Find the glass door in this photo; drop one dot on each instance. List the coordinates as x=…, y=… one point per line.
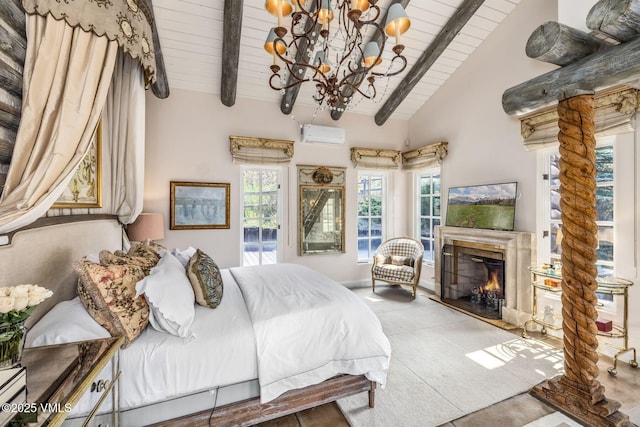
x=260, y=200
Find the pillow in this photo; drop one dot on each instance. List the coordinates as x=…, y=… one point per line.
x=170, y=297
x=143, y=256
x=67, y=321
x=401, y=260
x=206, y=279
x=381, y=259
x=184, y=256
x=108, y=294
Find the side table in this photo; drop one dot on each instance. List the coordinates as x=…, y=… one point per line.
x=58, y=376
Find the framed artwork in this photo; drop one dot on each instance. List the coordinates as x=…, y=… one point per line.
x=85, y=188
x=199, y=205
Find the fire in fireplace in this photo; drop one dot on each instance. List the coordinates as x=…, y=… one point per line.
x=472, y=279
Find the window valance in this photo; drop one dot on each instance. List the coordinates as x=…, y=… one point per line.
x=245, y=149
x=375, y=158
x=426, y=156
x=129, y=22
x=615, y=113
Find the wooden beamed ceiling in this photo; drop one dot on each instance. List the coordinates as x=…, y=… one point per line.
x=233, y=11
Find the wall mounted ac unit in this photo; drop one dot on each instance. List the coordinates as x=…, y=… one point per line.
x=322, y=134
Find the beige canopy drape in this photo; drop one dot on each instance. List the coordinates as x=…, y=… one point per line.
x=66, y=78
x=71, y=51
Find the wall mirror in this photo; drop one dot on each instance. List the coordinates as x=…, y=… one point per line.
x=321, y=210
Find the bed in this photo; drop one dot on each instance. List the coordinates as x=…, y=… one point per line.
x=283, y=338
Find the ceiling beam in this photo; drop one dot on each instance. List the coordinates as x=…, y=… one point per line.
x=302, y=56
x=446, y=35
x=614, y=66
x=232, y=29
x=378, y=37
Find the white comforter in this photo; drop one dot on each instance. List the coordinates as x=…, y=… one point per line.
x=309, y=328
x=306, y=328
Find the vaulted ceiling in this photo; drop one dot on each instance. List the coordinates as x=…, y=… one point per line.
x=443, y=34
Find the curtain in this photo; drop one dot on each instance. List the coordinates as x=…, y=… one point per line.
x=67, y=75
x=123, y=136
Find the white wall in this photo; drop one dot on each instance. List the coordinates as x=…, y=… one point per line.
x=188, y=140
x=485, y=145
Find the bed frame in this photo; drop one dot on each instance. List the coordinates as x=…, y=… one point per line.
x=43, y=253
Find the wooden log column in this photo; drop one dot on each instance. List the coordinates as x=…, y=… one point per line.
x=577, y=392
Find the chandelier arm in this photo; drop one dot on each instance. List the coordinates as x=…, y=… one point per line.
x=387, y=74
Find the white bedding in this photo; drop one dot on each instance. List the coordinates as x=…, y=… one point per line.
x=306, y=328
x=158, y=366
x=309, y=328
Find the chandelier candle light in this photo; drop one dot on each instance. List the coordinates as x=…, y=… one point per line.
x=330, y=35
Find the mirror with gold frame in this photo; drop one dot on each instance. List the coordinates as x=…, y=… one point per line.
x=321, y=210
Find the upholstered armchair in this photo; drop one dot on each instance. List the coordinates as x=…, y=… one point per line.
x=398, y=261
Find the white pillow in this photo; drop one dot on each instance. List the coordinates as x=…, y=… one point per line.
x=67, y=321
x=183, y=255
x=170, y=297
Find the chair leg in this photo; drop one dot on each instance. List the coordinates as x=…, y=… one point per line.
x=373, y=284
x=415, y=288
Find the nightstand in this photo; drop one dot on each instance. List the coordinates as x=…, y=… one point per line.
x=58, y=376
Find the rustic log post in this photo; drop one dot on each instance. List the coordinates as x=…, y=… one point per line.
x=560, y=44
x=619, y=19
x=577, y=391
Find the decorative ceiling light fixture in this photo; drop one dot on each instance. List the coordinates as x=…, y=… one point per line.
x=333, y=57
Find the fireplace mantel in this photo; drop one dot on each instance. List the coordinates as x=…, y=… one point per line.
x=520, y=253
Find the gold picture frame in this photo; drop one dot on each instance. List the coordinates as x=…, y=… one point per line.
x=199, y=205
x=85, y=188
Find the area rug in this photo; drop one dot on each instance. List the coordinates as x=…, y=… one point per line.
x=446, y=364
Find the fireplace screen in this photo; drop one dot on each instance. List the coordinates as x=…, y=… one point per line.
x=473, y=280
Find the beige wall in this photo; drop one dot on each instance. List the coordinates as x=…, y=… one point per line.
x=188, y=140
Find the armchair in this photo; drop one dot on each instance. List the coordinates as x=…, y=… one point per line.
x=398, y=261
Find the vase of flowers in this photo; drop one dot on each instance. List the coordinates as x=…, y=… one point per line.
x=16, y=305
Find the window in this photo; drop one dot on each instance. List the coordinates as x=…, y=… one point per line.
x=605, y=165
x=371, y=197
x=260, y=216
x=428, y=210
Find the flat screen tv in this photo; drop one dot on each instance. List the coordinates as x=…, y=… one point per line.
x=490, y=206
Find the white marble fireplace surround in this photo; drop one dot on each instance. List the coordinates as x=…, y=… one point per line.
x=520, y=252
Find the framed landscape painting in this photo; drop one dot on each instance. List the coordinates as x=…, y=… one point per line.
x=199, y=205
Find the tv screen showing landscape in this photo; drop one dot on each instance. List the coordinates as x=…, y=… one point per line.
x=490, y=206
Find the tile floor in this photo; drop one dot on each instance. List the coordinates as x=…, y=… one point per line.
x=402, y=323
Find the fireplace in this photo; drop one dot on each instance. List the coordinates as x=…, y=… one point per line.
x=472, y=278
x=508, y=254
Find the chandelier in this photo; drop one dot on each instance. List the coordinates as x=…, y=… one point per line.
x=324, y=45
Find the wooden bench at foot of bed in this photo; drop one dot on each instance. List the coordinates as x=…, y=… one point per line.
x=250, y=412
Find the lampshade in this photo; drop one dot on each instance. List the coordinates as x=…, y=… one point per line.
x=148, y=226
x=268, y=44
x=397, y=20
x=320, y=63
x=272, y=7
x=325, y=14
x=370, y=54
x=361, y=5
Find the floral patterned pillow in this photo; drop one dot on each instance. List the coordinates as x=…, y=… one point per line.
x=144, y=256
x=108, y=293
x=205, y=279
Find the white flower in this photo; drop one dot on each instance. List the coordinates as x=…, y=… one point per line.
x=37, y=295
x=20, y=290
x=6, y=304
x=20, y=302
x=20, y=297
